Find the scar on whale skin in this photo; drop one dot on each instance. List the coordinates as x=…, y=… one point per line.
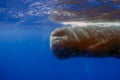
x=89, y=41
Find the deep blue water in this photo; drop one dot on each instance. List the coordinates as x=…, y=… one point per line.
x=25, y=53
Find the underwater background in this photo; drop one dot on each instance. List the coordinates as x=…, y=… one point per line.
x=25, y=54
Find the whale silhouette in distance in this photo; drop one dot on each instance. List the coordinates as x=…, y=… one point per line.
x=89, y=40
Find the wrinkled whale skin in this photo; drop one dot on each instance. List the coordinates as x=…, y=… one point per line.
x=90, y=41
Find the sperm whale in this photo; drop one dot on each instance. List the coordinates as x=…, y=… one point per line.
x=85, y=37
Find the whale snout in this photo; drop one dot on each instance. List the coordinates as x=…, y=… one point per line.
x=60, y=43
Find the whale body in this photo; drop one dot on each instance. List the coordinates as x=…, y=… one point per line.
x=90, y=41
x=86, y=40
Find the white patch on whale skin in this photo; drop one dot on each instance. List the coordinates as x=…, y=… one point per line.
x=85, y=24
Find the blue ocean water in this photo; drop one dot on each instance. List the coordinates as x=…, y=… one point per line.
x=25, y=53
